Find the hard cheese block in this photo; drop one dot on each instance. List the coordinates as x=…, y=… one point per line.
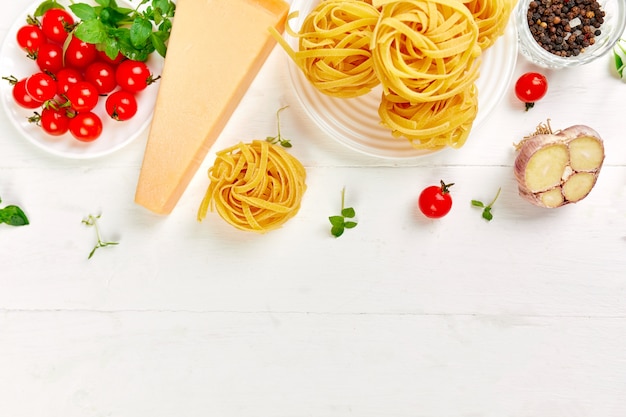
x=215, y=50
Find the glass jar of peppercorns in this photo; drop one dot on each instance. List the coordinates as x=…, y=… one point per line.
x=567, y=33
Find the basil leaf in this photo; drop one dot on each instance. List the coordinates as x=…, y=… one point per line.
x=83, y=11
x=111, y=48
x=13, y=216
x=91, y=31
x=115, y=17
x=158, y=43
x=45, y=6
x=140, y=32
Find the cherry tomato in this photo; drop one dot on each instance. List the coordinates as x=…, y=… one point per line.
x=102, y=75
x=83, y=96
x=435, y=201
x=121, y=105
x=531, y=87
x=41, y=86
x=133, y=76
x=79, y=54
x=55, y=122
x=50, y=57
x=54, y=24
x=30, y=38
x=66, y=78
x=86, y=126
x=22, y=98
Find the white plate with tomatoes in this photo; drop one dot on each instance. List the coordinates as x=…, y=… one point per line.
x=90, y=81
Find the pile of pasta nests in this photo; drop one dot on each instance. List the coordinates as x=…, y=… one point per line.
x=425, y=54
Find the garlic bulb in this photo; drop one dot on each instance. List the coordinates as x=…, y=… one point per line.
x=555, y=169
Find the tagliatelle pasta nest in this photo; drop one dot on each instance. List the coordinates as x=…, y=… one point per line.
x=425, y=50
x=334, y=52
x=431, y=124
x=254, y=186
x=492, y=16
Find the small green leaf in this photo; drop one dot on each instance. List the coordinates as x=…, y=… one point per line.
x=83, y=11
x=159, y=44
x=91, y=31
x=13, y=216
x=348, y=212
x=336, y=220
x=350, y=225
x=337, y=231
x=45, y=6
x=163, y=6
x=477, y=203
x=111, y=48
x=487, y=214
x=140, y=32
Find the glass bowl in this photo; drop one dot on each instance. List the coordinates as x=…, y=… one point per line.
x=611, y=29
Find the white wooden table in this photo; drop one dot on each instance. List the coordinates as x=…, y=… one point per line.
x=524, y=316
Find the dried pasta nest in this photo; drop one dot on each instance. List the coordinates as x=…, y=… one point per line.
x=334, y=52
x=431, y=124
x=255, y=186
x=425, y=50
x=491, y=16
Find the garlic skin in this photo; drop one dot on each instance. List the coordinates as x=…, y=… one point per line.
x=556, y=169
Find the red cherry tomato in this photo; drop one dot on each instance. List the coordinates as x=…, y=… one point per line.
x=66, y=78
x=83, y=96
x=102, y=75
x=133, y=76
x=54, y=122
x=86, y=127
x=435, y=201
x=531, y=87
x=22, y=98
x=121, y=105
x=55, y=23
x=80, y=54
x=41, y=86
x=50, y=58
x=30, y=38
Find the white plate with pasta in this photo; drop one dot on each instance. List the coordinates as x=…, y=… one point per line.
x=355, y=121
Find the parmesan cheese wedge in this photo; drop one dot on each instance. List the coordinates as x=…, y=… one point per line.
x=216, y=48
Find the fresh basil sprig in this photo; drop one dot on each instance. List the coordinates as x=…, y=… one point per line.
x=135, y=33
x=13, y=216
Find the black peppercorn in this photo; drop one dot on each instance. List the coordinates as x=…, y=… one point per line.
x=550, y=20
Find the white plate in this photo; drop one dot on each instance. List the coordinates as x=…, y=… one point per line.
x=355, y=122
x=115, y=135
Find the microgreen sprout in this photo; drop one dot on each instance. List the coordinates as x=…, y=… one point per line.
x=278, y=139
x=342, y=222
x=487, y=208
x=93, y=221
x=13, y=216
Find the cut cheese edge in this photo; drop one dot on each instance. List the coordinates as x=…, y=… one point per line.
x=216, y=49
